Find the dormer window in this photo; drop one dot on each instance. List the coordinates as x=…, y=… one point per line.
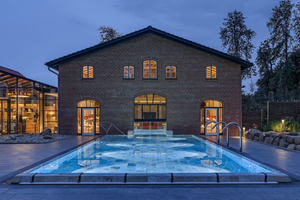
x=211, y=72
x=128, y=72
x=88, y=72
x=149, y=69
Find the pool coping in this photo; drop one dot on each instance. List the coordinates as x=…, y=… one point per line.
x=152, y=178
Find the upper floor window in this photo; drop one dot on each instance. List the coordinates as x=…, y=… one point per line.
x=211, y=72
x=88, y=72
x=170, y=72
x=149, y=68
x=128, y=72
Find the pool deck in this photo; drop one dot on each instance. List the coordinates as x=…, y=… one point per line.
x=16, y=158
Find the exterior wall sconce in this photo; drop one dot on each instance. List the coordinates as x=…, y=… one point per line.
x=244, y=131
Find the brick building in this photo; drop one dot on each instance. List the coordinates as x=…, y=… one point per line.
x=148, y=79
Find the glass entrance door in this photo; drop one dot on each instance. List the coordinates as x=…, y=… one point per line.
x=4, y=111
x=211, y=114
x=88, y=121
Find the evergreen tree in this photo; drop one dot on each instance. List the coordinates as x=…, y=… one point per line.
x=280, y=25
x=236, y=37
x=108, y=33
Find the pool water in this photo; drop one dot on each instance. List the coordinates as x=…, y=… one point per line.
x=151, y=154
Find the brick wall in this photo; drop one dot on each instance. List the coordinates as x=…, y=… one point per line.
x=116, y=96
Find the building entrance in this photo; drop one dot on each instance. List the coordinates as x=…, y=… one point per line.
x=88, y=121
x=4, y=116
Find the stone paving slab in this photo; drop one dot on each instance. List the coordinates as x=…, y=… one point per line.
x=16, y=158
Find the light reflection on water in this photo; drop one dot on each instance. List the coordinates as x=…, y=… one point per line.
x=155, y=154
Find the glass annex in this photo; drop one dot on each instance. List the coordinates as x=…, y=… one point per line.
x=26, y=106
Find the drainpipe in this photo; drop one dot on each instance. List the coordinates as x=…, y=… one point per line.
x=57, y=100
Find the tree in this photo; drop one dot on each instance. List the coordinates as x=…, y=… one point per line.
x=108, y=33
x=296, y=25
x=280, y=26
x=236, y=37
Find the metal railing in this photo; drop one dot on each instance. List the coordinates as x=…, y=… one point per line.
x=234, y=123
x=226, y=127
x=227, y=136
x=218, y=134
x=110, y=125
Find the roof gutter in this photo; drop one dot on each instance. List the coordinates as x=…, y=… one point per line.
x=52, y=71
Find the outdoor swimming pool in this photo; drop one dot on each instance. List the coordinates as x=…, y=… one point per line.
x=177, y=154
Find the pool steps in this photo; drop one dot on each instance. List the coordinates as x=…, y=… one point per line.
x=151, y=178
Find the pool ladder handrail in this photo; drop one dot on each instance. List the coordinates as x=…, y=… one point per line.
x=101, y=124
x=227, y=136
x=218, y=134
x=234, y=123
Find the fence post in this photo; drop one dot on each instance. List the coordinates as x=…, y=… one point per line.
x=268, y=111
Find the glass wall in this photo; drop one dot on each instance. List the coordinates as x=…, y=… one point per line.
x=26, y=106
x=149, y=112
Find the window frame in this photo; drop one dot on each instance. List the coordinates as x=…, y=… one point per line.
x=171, y=67
x=150, y=70
x=128, y=78
x=211, y=67
x=88, y=72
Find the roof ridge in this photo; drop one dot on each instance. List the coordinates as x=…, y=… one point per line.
x=54, y=63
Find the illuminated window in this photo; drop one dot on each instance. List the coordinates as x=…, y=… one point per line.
x=149, y=68
x=88, y=72
x=211, y=72
x=170, y=72
x=128, y=72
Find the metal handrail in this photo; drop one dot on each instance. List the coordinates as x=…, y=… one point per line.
x=234, y=123
x=218, y=134
x=227, y=136
x=101, y=124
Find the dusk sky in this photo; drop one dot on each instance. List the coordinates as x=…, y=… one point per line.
x=33, y=32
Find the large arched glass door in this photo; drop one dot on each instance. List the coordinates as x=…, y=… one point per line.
x=211, y=110
x=149, y=112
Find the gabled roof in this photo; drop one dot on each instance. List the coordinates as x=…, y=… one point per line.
x=55, y=63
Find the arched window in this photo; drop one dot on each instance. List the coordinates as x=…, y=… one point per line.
x=88, y=117
x=150, y=112
x=211, y=72
x=211, y=110
x=171, y=72
x=128, y=72
x=149, y=69
x=88, y=72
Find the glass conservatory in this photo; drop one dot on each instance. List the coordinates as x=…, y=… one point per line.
x=26, y=106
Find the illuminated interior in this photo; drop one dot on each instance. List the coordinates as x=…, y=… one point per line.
x=149, y=72
x=26, y=106
x=88, y=117
x=128, y=72
x=211, y=72
x=171, y=72
x=211, y=110
x=88, y=72
x=149, y=112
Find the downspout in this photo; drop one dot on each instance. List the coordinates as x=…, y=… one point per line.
x=57, y=101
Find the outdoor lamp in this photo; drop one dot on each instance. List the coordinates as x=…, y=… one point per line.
x=282, y=125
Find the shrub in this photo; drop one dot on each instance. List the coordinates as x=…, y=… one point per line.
x=289, y=126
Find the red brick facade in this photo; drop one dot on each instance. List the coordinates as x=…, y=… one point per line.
x=116, y=95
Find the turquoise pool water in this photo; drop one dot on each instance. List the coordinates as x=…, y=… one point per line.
x=151, y=154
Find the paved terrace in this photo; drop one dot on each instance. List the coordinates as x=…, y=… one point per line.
x=16, y=158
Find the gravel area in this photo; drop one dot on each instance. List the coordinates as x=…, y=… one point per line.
x=31, y=138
